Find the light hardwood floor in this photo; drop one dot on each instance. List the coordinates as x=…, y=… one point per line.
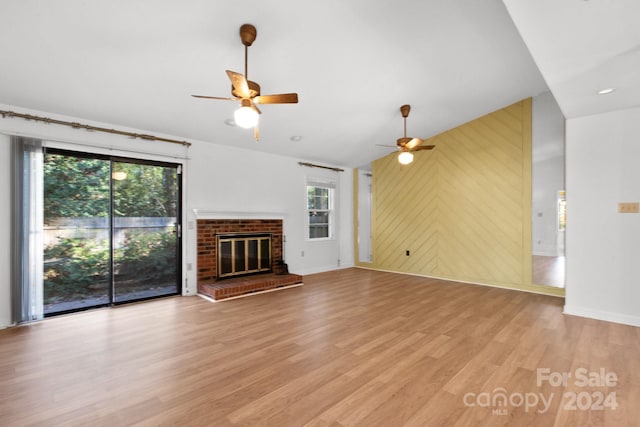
x=351, y=347
x=549, y=270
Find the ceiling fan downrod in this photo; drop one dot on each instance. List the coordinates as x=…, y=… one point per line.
x=248, y=35
x=404, y=110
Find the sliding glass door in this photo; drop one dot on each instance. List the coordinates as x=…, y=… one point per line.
x=111, y=230
x=145, y=230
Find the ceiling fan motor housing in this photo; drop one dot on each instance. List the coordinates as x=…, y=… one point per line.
x=248, y=34
x=254, y=90
x=402, y=142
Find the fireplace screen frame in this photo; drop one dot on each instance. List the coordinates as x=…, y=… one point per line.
x=240, y=243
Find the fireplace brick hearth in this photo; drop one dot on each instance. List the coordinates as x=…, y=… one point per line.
x=208, y=281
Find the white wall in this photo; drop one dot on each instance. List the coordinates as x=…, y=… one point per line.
x=216, y=178
x=547, y=174
x=603, y=246
x=345, y=216
x=5, y=231
x=226, y=179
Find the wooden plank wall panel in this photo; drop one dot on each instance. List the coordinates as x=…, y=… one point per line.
x=408, y=196
x=460, y=209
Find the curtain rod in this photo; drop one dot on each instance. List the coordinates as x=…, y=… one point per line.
x=76, y=125
x=311, y=165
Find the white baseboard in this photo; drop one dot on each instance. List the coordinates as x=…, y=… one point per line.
x=533, y=289
x=543, y=253
x=6, y=323
x=324, y=269
x=608, y=316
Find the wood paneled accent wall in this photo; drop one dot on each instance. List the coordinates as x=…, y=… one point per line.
x=463, y=210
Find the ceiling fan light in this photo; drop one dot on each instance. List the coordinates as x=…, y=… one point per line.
x=405, y=157
x=246, y=117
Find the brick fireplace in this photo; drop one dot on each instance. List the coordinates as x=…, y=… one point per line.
x=209, y=281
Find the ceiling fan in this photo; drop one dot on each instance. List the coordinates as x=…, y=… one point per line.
x=247, y=91
x=408, y=145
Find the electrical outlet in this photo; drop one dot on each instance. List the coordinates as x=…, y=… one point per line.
x=629, y=207
x=408, y=252
x=302, y=253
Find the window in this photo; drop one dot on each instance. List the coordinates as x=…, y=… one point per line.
x=320, y=210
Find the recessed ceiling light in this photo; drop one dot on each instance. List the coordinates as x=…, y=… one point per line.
x=296, y=138
x=230, y=122
x=606, y=91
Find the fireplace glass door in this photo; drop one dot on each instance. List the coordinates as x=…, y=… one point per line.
x=243, y=254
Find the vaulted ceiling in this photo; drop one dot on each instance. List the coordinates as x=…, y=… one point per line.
x=582, y=47
x=353, y=64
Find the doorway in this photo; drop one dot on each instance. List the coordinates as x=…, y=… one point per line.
x=365, y=194
x=548, y=203
x=111, y=230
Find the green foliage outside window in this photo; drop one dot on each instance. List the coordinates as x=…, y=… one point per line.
x=76, y=187
x=78, y=267
x=78, y=190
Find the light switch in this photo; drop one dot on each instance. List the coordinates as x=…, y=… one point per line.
x=629, y=207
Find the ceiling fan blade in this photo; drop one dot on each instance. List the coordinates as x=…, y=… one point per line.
x=413, y=143
x=240, y=84
x=283, y=98
x=215, y=97
x=423, y=147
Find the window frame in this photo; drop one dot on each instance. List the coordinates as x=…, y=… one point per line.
x=331, y=188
